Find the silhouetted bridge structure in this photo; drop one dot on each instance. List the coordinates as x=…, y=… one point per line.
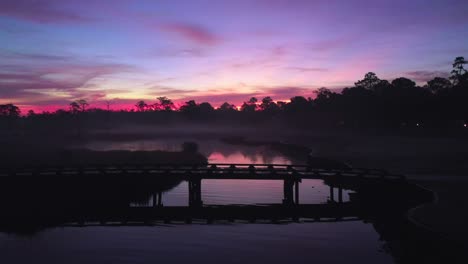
x=291, y=175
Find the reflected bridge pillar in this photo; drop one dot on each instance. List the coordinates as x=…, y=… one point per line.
x=340, y=194
x=157, y=199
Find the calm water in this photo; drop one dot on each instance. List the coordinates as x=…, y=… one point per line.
x=242, y=243
x=214, y=149
x=341, y=242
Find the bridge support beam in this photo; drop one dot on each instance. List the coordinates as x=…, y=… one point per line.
x=288, y=192
x=332, y=194
x=291, y=191
x=296, y=192
x=195, y=199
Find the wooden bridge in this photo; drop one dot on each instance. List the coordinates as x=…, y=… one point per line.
x=49, y=178
x=291, y=175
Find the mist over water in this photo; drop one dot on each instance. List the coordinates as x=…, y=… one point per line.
x=214, y=149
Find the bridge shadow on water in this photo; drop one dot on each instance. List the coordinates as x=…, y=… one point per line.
x=50, y=201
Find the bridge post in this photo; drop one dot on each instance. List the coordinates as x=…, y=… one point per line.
x=296, y=192
x=195, y=192
x=340, y=187
x=190, y=192
x=288, y=192
x=332, y=194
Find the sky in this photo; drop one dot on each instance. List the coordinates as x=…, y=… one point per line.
x=55, y=51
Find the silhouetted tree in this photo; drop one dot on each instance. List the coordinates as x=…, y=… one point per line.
x=281, y=105
x=205, y=107
x=9, y=110
x=403, y=83
x=227, y=107
x=266, y=102
x=74, y=107
x=189, y=107
x=164, y=103
x=141, y=106
x=324, y=97
x=297, y=104
x=269, y=106
x=61, y=112
x=250, y=106
x=370, y=81
x=438, y=85
x=458, y=70
x=83, y=104
x=323, y=94
x=108, y=104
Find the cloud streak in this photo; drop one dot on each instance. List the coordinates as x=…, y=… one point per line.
x=40, y=11
x=59, y=77
x=191, y=32
x=54, y=80
x=424, y=76
x=307, y=69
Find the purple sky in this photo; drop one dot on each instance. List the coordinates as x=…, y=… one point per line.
x=55, y=51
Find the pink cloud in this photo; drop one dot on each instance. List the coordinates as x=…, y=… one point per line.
x=193, y=33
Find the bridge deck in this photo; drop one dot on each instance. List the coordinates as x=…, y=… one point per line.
x=210, y=171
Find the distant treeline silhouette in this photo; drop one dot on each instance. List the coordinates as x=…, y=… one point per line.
x=442, y=102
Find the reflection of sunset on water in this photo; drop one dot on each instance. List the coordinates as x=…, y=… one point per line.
x=215, y=150
x=240, y=158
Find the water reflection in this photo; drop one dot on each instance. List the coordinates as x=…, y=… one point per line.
x=217, y=192
x=248, y=158
x=215, y=150
x=235, y=243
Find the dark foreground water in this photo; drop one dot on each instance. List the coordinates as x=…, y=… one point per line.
x=347, y=242
x=337, y=242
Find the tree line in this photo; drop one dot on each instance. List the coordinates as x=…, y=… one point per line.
x=371, y=101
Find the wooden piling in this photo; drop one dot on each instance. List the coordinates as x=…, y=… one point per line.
x=296, y=192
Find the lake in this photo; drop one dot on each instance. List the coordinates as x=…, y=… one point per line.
x=337, y=242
